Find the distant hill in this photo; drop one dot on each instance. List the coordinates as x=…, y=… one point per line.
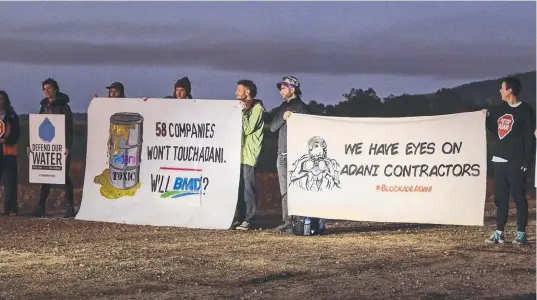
x=488, y=90
x=479, y=93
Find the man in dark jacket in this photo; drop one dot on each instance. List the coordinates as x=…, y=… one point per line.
x=9, y=137
x=290, y=91
x=57, y=103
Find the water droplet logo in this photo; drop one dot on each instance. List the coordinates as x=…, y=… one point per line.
x=47, y=131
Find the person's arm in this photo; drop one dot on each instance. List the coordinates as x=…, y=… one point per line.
x=68, y=127
x=252, y=121
x=277, y=121
x=28, y=150
x=490, y=121
x=13, y=130
x=529, y=128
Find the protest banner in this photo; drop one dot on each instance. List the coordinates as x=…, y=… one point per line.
x=409, y=170
x=165, y=162
x=47, y=146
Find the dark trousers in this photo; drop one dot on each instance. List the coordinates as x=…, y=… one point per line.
x=67, y=187
x=282, y=178
x=509, y=179
x=9, y=174
x=246, y=204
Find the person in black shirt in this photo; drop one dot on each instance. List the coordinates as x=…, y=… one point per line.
x=9, y=139
x=513, y=122
x=290, y=91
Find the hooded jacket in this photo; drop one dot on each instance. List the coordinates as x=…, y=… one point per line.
x=10, y=130
x=252, y=133
x=60, y=106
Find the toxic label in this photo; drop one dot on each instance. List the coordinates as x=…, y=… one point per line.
x=124, y=179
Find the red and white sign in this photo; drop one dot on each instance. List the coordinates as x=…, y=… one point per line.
x=505, y=124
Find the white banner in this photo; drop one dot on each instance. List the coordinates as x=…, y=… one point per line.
x=167, y=162
x=47, y=145
x=410, y=170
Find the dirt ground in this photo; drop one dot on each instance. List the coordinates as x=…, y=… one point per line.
x=70, y=259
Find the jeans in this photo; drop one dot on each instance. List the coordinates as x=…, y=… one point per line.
x=282, y=179
x=246, y=204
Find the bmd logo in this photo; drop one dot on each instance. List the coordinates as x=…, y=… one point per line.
x=183, y=186
x=179, y=182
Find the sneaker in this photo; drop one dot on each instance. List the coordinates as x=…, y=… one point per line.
x=285, y=227
x=234, y=225
x=39, y=211
x=496, y=237
x=521, y=238
x=244, y=226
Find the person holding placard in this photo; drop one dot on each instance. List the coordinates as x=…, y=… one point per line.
x=514, y=123
x=115, y=90
x=182, y=89
x=56, y=102
x=289, y=88
x=9, y=137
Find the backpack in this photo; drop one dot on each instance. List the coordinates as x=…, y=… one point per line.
x=300, y=226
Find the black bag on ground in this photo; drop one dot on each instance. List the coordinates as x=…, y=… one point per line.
x=301, y=227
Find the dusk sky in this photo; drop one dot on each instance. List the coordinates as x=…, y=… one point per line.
x=392, y=47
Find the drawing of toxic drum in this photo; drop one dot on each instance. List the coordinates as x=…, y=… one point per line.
x=125, y=149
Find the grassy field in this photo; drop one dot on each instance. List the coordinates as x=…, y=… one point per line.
x=53, y=258
x=70, y=259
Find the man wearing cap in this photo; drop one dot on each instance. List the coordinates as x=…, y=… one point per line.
x=115, y=90
x=290, y=91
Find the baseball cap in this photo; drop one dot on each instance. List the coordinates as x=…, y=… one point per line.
x=115, y=85
x=289, y=81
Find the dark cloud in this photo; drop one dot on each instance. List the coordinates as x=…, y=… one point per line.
x=386, y=57
x=116, y=31
x=466, y=46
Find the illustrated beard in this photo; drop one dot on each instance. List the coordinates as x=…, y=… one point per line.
x=315, y=155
